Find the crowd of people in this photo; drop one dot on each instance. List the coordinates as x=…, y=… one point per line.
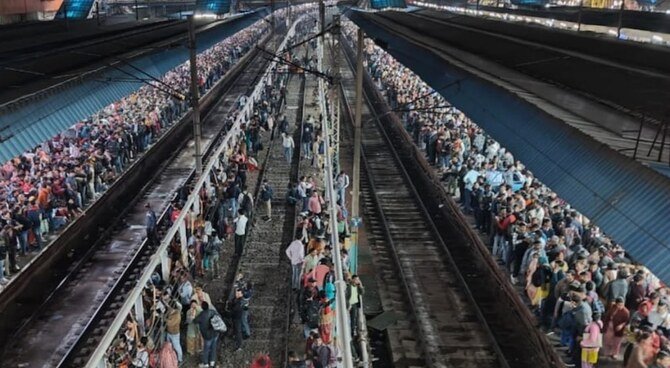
x=579, y=282
x=44, y=189
x=313, y=277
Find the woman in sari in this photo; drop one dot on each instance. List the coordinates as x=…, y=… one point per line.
x=168, y=357
x=592, y=342
x=193, y=337
x=531, y=289
x=326, y=323
x=201, y=296
x=614, y=324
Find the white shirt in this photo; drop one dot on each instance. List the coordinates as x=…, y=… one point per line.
x=296, y=252
x=241, y=222
x=470, y=179
x=287, y=141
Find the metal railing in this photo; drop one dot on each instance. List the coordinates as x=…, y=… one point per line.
x=342, y=324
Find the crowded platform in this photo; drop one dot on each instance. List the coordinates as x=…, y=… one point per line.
x=584, y=289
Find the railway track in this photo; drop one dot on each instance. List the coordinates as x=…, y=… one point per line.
x=439, y=325
x=263, y=261
x=478, y=284
x=68, y=326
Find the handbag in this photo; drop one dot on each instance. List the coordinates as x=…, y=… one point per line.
x=598, y=343
x=44, y=226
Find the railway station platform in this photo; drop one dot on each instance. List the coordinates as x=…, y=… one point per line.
x=449, y=248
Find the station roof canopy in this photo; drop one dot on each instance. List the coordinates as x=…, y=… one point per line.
x=25, y=125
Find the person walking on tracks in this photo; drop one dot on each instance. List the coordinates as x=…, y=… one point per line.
x=296, y=254
x=342, y=183
x=289, y=144
x=266, y=196
x=246, y=201
x=240, y=232
x=239, y=310
x=151, y=224
x=307, y=130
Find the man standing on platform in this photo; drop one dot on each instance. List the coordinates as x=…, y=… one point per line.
x=354, y=295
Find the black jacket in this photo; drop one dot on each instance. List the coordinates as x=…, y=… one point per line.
x=203, y=321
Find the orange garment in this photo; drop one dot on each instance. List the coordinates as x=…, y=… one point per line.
x=319, y=273
x=317, y=244
x=43, y=198
x=326, y=324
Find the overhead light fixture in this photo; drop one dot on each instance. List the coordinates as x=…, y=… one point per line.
x=205, y=16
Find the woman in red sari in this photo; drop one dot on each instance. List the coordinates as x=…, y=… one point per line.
x=326, y=323
x=614, y=324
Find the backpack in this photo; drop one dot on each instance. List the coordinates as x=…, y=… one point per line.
x=292, y=197
x=209, y=248
x=217, y=323
x=597, y=306
x=567, y=321
x=312, y=314
x=246, y=203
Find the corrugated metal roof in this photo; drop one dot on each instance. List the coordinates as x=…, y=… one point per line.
x=629, y=201
x=33, y=123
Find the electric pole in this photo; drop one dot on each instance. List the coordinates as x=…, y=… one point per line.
x=335, y=93
x=322, y=19
x=355, y=194
x=195, y=103
x=356, y=185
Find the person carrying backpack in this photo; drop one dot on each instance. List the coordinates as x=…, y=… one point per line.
x=292, y=194
x=266, y=196
x=322, y=354
x=210, y=326
x=311, y=314
x=246, y=201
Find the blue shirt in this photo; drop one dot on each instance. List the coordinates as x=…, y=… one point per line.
x=150, y=220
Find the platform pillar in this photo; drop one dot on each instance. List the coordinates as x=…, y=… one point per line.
x=165, y=265
x=195, y=103
x=184, y=241
x=139, y=314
